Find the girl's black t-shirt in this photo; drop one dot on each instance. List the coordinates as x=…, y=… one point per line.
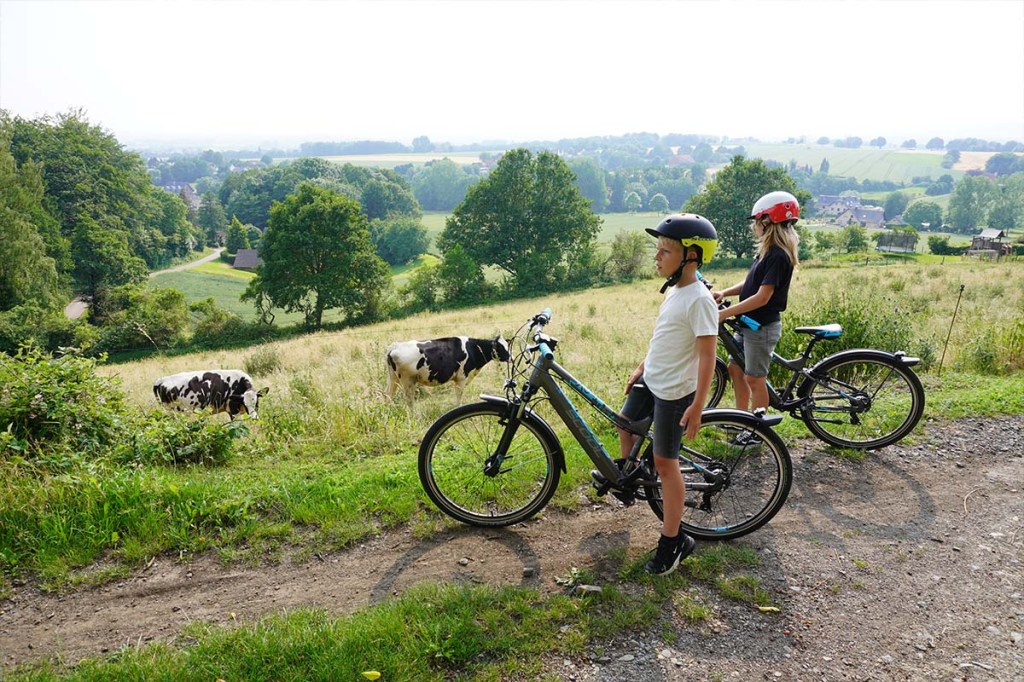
x=774, y=269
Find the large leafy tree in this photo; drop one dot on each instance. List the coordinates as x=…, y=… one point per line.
x=441, y=186
x=317, y=255
x=726, y=201
x=27, y=273
x=526, y=218
x=103, y=260
x=399, y=241
x=590, y=180
x=924, y=215
x=969, y=203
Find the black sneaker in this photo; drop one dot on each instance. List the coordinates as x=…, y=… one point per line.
x=669, y=553
x=746, y=439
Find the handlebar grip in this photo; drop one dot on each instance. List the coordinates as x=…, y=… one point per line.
x=543, y=317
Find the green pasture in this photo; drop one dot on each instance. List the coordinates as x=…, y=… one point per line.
x=864, y=163
x=331, y=463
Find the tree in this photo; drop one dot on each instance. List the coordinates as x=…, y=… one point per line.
x=590, y=181
x=823, y=140
x=422, y=144
x=895, y=204
x=461, y=278
x=935, y=143
x=658, y=203
x=629, y=253
x=823, y=168
x=969, y=203
x=527, y=218
x=878, y=142
x=211, y=218
x=726, y=200
x=237, y=237
x=400, y=240
x=633, y=202
x=317, y=255
x=1007, y=210
x=27, y=274
x=824, y=242
x=1004, y=163
x=852, y=239
x=909, y=144
x=944, y=185
x=103, y=261
x=924, y=215
x=441, y=185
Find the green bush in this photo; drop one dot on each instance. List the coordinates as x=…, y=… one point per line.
x=869, y=320
x=263, y=361
x=47, y=329
x=52, y=404
x=997, y=348
x=176, y=439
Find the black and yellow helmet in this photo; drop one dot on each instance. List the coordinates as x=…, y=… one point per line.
x=690, y=229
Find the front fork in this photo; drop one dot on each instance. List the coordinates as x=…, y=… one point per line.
x=511, y=421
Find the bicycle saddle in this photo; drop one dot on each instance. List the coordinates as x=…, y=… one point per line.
x=827, y=331
x=640, y=427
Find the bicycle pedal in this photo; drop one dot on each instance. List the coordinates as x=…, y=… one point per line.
x=628, y=499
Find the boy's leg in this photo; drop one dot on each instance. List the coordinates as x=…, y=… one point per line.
x=674, y=545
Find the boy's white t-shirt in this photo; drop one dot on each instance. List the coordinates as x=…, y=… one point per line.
x=670, y=368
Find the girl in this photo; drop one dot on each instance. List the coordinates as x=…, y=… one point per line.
x=763, y=296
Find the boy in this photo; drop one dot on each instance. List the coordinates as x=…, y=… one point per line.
x=673, y=380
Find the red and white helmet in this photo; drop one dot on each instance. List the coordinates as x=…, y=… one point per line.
x=779, y=207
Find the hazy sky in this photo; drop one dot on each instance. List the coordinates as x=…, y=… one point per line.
x=233, y=72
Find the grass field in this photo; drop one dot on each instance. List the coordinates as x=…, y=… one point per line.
x=332, y=462
x=865, y=163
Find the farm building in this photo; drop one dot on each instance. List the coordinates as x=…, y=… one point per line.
x=868, y=216
x=831, y=205
x=247, y=259
x=989, y=244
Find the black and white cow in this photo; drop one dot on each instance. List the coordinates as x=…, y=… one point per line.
x=221, y=390
x=455, y=359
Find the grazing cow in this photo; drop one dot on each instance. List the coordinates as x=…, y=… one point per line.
x=431, y=363
x=222, y=390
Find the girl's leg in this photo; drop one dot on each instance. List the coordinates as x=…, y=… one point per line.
x=758, y=391
x=739, y=386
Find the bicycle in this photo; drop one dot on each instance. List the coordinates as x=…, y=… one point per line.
x=497, y=462
x=858, y=398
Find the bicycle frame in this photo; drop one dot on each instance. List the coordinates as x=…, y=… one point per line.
x=542, y=378
x=780, y=401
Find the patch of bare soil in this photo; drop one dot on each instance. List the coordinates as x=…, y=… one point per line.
x=904, y=566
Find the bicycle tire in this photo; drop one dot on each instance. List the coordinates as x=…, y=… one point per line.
x=759, y=478
x=883, y=398
x=719, y=382
x=451, y=466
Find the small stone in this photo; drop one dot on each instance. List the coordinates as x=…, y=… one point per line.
x=463, y=561
x=529, y=571
x=626, y=658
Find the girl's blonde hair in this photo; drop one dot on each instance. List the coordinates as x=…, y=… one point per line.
x=780, y=235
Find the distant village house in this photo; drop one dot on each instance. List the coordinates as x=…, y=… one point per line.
x=247, y=259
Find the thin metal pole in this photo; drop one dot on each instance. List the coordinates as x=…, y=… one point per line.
x=950, y=329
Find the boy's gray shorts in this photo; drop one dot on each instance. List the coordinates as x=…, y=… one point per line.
x=668, y=434
x=757, y=348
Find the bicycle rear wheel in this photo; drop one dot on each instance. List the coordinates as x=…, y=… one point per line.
x=733, y=487
x=455, y=451
x=862, y=400
x=719, y=382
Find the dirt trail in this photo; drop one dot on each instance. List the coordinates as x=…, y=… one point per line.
x=905, y=566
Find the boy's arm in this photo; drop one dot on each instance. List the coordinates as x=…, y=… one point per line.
x=634, y=377
x=705, y=370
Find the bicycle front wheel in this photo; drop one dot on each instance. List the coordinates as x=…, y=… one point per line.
x=862, y=400
x=453, y=461
x=737, y=473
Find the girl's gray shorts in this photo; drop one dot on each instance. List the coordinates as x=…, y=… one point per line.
x=757, y=348
x=668, y=434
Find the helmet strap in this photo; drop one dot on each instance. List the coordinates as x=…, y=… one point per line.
x=678, y=274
